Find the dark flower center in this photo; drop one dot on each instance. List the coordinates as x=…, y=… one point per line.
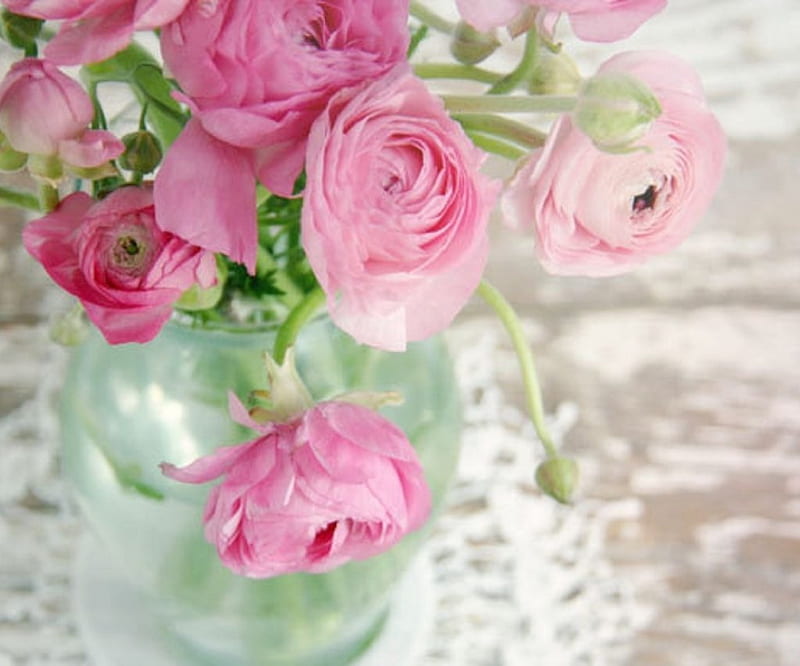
x=645, y=200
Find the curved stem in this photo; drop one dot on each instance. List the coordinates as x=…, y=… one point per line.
x=523, y=70
x=435, y=70
x=19, y=199
x=288, y=331
x=431, y=19
x=510, y=104
x=501, y=127
x=496, y=146
x=533, y=393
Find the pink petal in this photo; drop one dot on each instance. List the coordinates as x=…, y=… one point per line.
x=92, y=39
x=90, y=149
x=210, y=467
x=205, y=193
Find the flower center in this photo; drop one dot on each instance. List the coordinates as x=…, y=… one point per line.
x=646, y=200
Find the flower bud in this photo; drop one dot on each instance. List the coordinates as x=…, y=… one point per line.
x=19, y=31
x=202, y=298
x=558, y=477
x=470, y=46
x=70, y=328
x=10, y=159
x=40, y=106
x=615, y=110
x=554, y=74
x=142, y=152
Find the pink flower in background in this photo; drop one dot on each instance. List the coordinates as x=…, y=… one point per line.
x=591, y=20
x=126, y=271
x=45, y=112
x=339, y=483
x=597, y=213
x=254, y=99
x=395, y=211
x=96, y=29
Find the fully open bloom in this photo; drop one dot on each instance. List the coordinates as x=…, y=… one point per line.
x=254, y=99
x=126, y=271
x=337, y=483
x=395, y=211
x=94, y=30
x=45, y=112
x=597, y=213
x=592, y=20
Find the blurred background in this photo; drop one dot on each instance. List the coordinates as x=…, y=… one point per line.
x=677, y=387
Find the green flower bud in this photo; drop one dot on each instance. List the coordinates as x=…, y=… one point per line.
x=70, y=328
x=142, y=152
x=558, y=477
x=615, y=110
x=46, y=167
x=470, y=46
x=555, y=74
x=10, y=159
x=19, y=31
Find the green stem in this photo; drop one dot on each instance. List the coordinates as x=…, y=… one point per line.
x=48, y=197
x=431, y=19
x=510, y=104
x=288, y=331
x=501, y=127
x=496, y=146
x=435, y=70
x=523, y=70
x=533, y=393
x=19, y=199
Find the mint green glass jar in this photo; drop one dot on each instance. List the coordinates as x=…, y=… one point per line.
x=127, y=408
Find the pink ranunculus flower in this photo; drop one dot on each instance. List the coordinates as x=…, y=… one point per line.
x=112, y=256
x=94, y=30
x=395, y=211
x=255, y=98
x=597, y=213
x=337, y=483
x=45, y=112
x=591, y=20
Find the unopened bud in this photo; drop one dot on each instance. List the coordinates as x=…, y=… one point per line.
x=19, y=31
x=615, y=110
x=10, y=159
x=469, y=46
x=142, y=153
x=558, y=477
x=47, y=168
x=70, y=328
x=554, y=74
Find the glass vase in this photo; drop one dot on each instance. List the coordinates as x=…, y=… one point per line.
x=127, y=408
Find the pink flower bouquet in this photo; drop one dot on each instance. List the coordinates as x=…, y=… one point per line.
x=298, y=155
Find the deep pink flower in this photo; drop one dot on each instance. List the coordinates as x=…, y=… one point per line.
x=126, y=271
x=94, y=30
x=338, y=483
x=45, y=112
x=596, y=213
x=395, y=211
x=591, y=20
x=256, y=74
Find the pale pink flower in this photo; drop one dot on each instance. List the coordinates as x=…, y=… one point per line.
x=126, y=271
x=591, y=20
x=596, y=213
x=94, y=30
x=338, y=483
x=45, y=112
x=255, y=98
x=395, y=211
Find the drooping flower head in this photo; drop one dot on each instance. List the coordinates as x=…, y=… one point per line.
x=114, y=258
x=328, y=484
